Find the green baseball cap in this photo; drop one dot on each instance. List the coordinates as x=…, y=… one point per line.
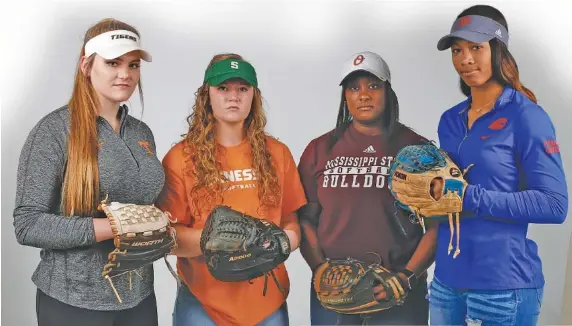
x=230, y=68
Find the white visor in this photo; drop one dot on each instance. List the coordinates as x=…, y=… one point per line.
x=111, y=45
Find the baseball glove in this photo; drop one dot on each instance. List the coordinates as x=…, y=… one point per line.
x=421, y=173
x=346, y=286
x=142, y=235
x=238, y=247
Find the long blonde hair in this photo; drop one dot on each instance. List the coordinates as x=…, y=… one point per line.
x=80, y=189
x=207, y=169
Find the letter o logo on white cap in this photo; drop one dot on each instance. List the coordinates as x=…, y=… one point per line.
x=358, y=60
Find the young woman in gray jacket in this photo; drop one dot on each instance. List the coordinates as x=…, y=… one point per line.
x=73, y=158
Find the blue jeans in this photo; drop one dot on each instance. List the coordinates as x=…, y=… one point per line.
x=415, y=311
x=188, y=311
x=501, y=307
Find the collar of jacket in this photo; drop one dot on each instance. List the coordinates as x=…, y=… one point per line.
x=502, y=101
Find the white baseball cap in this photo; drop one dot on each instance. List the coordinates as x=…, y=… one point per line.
x=367, y=61
x=113, y=44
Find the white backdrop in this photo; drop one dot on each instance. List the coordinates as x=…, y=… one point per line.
x=297, y=48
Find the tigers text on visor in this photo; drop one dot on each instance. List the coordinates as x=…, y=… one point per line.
x=476, y=29
x=113, y=44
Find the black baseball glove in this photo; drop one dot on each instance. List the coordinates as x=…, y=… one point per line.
x=238, y=247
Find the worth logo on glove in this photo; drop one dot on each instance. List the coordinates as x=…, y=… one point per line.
x=147, y=243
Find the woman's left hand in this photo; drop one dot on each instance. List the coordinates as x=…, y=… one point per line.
x=379, y=290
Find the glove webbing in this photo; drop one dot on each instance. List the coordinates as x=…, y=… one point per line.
x=431, y=165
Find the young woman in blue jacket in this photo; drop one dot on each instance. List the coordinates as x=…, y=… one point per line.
x=517, y=178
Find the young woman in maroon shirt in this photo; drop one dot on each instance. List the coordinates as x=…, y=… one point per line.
x=350, y=211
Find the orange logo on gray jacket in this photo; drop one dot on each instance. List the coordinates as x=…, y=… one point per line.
x=145, y=145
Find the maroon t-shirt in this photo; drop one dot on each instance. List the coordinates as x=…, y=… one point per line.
x=357, y=209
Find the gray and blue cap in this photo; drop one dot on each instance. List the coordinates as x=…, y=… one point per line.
x=476, y=29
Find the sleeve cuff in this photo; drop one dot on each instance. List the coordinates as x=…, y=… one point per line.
x=90, y=231
x=471, y=200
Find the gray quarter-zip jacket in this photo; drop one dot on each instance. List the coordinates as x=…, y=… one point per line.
x=71, y=261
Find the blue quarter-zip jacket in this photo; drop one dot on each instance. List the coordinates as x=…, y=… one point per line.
x=517, y=179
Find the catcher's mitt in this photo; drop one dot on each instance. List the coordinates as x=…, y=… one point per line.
x=143, y=234
x=421, y=173
x=346, y=286
x=238, y=247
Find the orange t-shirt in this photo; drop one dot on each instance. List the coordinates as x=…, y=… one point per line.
x=233, y=303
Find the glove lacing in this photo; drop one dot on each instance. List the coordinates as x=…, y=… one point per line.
x=267, y=236
x=130, y=273
x=451, y=217
x=458, y=224
x=275, y=281
x=457, y=217
x=110, y=266
x=266, y=283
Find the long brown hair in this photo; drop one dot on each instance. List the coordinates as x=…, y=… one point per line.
x=205, y=151
x=505, y=69
x=80, y=189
